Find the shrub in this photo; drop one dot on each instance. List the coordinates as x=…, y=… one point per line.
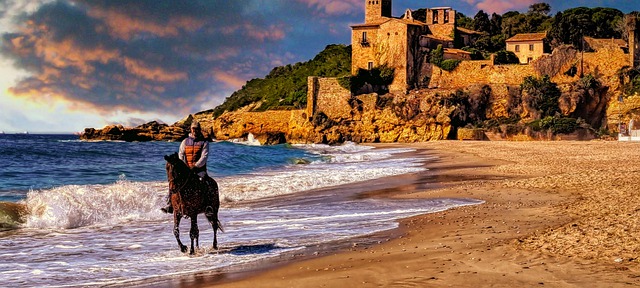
x=556, y=125
x=506, y=57
x=540, y=96
x=449, y=64
x=437, y=56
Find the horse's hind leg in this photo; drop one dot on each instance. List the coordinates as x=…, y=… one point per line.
x=194, y=232
x=212, y=217
x=176, y=231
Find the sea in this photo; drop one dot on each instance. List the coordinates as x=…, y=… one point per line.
x=86, y=213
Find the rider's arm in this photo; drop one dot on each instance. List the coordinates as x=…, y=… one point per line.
x=181, y=152
x=205, y=154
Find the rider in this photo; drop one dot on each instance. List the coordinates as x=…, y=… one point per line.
x=194, y=151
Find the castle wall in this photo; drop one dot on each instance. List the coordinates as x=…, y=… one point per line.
x=332, y=99
x=364, y=52
x=479, y=72
x=376, y=9
x=392, y=51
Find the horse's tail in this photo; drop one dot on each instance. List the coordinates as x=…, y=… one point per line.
x=213, y=219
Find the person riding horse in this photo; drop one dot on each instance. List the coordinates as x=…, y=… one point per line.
x=194, y=151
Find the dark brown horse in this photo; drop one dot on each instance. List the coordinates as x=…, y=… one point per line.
x=191, y=196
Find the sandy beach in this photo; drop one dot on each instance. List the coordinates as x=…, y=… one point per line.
x=556, y=214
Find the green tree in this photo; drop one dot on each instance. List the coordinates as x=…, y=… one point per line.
x=481, y=22
x=506, y=57
x=540, y=96
x=571, y=25
x=463, y=21
x=437, y=56
x=540, y=8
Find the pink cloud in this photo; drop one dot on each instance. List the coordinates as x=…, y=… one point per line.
x=273, y=32
x=501, y=6
x=335, y=7
x=125, y=26
x=231, y=81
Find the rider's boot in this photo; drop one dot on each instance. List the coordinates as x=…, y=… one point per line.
x=168, y=208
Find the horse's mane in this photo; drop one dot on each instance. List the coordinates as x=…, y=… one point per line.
x=175, y=161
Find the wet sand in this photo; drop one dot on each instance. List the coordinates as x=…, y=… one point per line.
x=556, y=214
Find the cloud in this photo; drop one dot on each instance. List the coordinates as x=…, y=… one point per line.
x=501, y=6
x=335, y=7
x=160, y=57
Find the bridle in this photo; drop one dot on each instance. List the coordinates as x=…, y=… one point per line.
x=172, y=180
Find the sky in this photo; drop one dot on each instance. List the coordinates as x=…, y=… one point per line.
x=67, y=65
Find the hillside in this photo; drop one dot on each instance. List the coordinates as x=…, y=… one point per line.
x=285, y=87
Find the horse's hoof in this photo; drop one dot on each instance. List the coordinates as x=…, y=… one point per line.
x=183, y=249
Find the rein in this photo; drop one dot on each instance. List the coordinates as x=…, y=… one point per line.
x=178, y=190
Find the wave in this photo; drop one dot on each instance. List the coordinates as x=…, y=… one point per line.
x=74, y=206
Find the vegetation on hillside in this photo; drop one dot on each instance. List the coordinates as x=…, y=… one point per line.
x=285, y=87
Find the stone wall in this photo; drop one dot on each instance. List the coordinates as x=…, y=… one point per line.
x=364, y=52
x=479, y=72
x=392, y=51
x=328, y=97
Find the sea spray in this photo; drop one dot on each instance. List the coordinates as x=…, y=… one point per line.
x=75, y=206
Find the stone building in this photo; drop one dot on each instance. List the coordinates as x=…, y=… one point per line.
x=527, y=46
x=403, y=43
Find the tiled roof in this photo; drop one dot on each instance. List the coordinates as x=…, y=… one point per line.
x=456, y=51
x=468, y=31
x=605, y=41
x=527, y=37
x=441, y=38
x=385, y=20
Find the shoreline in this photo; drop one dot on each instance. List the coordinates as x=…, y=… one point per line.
x=534, y=195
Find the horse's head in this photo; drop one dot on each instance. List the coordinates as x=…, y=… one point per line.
x=175, y=167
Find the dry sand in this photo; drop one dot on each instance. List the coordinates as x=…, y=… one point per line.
x=557, y=214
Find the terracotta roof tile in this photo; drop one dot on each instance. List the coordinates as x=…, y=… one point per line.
x=468, y=31
x=527, y=37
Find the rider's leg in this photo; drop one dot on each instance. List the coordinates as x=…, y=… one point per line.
x=169, y=207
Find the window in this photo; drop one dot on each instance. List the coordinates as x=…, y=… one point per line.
x=370, y=66
x=435, y=16
x=530, y=47
x=517, y=48
x=364, y=42
x=446, y=16
x=529, y=59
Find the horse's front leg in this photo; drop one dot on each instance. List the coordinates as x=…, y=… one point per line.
x=176, y=230
x=194, y=232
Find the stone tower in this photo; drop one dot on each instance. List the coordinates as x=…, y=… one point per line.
x=634, y=49
x=376, y=9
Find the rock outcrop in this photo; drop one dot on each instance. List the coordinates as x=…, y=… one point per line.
x=152, y=131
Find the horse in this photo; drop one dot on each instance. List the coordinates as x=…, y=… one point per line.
x=191, y=196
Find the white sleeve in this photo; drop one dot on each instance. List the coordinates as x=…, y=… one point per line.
x=205, y=154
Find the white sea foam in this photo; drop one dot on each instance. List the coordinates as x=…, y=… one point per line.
x=75, y=206
x=99, y=235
